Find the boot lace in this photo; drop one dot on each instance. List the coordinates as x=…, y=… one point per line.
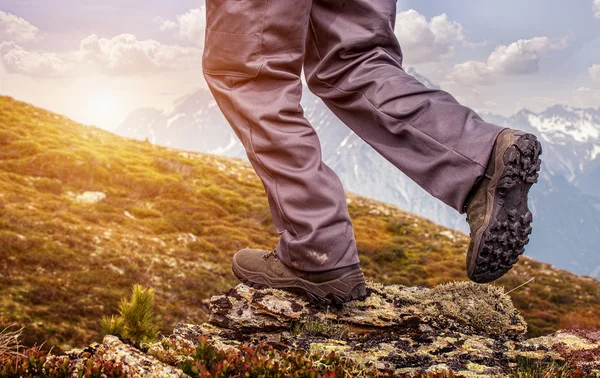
x=270, y=254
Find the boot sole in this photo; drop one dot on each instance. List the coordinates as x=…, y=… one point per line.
x=348, y=287
x=502, y=238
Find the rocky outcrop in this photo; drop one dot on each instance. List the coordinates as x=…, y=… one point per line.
x=471, y=329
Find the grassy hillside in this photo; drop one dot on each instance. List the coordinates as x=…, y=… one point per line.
x=172, y=220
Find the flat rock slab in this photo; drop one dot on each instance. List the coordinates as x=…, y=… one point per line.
x=461, y=306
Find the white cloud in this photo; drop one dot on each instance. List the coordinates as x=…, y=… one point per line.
x=164, y=24
x=125, y=54
x=471, y=72
x=191, y=25
x=424, y=41
x=16, y=60
x=14, y=28
x=121, y=55
x=595, y=71
x=518, y=58
x=587, y=97
x=596, y=8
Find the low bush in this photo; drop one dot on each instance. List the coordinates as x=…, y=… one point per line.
x=35, y=362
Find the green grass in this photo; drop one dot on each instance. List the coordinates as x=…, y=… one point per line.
x=172, y=220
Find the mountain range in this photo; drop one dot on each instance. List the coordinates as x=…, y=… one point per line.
x=565, y=203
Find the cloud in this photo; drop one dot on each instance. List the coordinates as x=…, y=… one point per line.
x=595, y=71
x=587, y=97
x=424, y=41
x=16, y=60
x=191, y=25
x=518, y=58
x=126, y=55
x=14, y=28
x=121, y=55
x=596, y=8
x=164, y=24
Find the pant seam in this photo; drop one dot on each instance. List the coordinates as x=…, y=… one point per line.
x=314, y=33
x=262, y=38
x=272, y=177
x=251, y=144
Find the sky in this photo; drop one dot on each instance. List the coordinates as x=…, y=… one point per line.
x=95, y=62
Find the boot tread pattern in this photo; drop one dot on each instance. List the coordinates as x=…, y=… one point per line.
x=509, y=229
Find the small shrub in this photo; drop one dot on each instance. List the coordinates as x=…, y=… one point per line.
x=136, y=318
x=35, y=362
x=112, y=325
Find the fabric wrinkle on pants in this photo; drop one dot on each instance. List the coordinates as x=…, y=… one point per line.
x=253, y=58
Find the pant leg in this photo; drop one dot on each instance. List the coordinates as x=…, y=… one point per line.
x=254, y=51
x=354, y=64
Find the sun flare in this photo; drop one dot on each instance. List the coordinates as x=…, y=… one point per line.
x=103, y=105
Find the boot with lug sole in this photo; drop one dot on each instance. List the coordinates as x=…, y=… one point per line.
x=497, y=209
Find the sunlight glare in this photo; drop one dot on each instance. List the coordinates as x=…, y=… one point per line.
x=102, y=106
x=102, y=102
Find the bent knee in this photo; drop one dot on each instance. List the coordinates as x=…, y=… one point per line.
x=228, y=54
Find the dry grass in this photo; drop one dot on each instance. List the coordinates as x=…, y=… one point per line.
x=9, y=341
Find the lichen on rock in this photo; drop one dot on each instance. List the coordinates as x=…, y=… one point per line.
x=134, y=362
x=472, y=330
x=464, y=306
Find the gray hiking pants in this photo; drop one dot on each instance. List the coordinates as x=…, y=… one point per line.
x=253, y=56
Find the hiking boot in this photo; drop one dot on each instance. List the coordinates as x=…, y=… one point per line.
x=497, y=209
x=260, y=268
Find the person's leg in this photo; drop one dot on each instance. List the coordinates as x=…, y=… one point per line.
x=354, y=64
x=254, y=51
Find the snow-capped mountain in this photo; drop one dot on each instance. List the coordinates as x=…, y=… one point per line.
x=572, y=139
x=566, y=202
x=194, y=123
